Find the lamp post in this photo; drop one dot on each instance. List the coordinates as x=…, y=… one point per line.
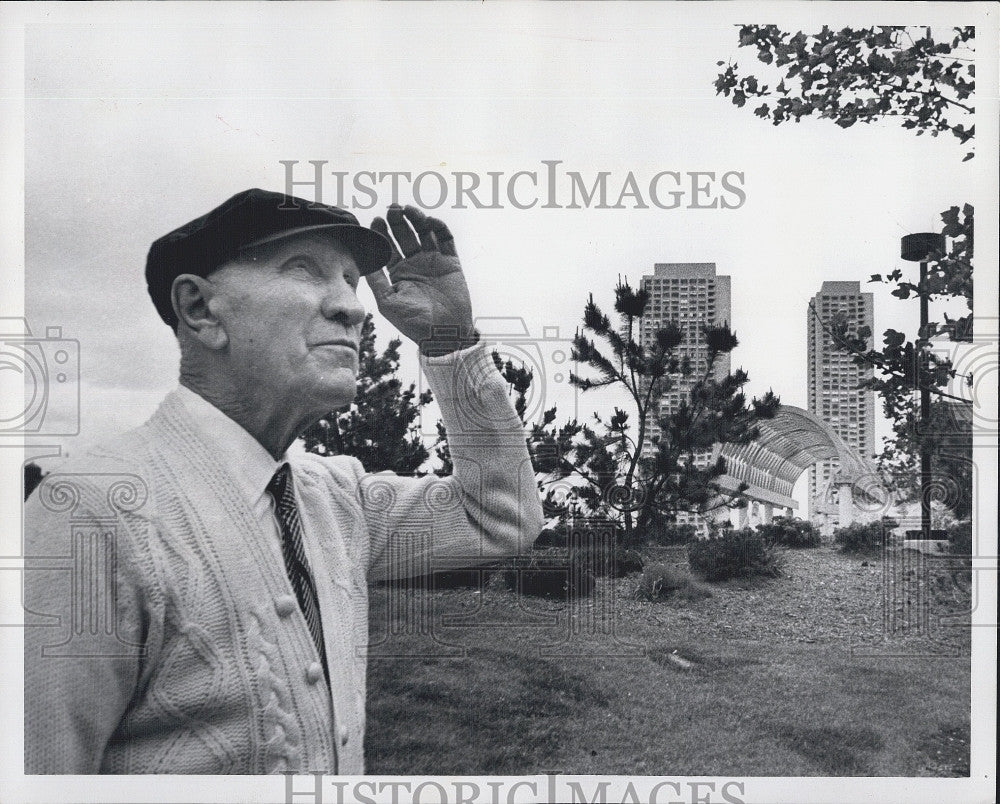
x=917, y=248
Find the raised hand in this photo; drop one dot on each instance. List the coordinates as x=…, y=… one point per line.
x=424, y=294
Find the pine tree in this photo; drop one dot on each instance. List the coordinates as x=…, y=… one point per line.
x=621, y=480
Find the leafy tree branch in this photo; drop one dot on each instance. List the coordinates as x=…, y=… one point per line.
x=860, y=75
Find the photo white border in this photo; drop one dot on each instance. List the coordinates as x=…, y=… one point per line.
x=13, y=18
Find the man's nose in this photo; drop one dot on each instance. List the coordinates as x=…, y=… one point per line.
x=341, y=303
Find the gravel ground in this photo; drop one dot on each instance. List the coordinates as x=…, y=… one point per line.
x=898, y=600
x=857, y=666
x=826, y=596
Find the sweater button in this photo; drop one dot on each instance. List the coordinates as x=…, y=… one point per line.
x=314, y=672
x=285, y=605
x=342, y=735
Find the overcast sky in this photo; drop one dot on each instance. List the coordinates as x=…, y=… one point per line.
x=135, y=127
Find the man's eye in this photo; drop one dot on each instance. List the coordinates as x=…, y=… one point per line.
x=305, y=266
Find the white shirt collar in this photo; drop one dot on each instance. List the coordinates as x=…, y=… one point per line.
x=251, y=465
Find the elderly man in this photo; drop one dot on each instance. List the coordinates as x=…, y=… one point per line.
x=197, y=596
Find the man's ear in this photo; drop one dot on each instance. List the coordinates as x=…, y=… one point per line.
x=191, y=296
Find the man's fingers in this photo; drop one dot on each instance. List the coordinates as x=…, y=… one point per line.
x=401, y=230
x=443, y=236
x=414, y=232
x=378, y=225
x=422, y=226
x=380, y=285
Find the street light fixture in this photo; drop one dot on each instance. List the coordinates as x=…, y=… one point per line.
x=918, y=248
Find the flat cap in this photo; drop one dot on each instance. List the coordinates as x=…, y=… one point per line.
x=251, y=218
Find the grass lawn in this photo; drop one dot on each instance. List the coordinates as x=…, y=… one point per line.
x=794, y=676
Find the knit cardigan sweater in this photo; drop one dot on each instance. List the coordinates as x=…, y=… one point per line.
x=163, y=633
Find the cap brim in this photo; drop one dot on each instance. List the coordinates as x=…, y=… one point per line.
x=371, y=251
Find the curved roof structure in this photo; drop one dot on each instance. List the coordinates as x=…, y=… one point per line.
x=789, y=444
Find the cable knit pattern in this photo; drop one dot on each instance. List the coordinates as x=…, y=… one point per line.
x=161, y=638
x=282, y=749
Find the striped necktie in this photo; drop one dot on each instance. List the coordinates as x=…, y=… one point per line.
x=296, y=564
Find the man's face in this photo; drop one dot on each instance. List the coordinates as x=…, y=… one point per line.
x=293, y=320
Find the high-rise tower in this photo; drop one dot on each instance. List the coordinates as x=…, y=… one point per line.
x=691, y=295
x=834, y=395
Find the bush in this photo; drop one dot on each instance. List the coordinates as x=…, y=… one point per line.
x=865, y=537
x=458, y=578
x=960, y=546
x=735, y=554
x=581, y=532
x=596, y=546
x=473, y=578
x=630, y=561
x=960, y=539
x=660, y=581
x=789, y=532
x=670, y=533
x=587, y=534
x=614, y=562
x=552, y=537
x=552, y=576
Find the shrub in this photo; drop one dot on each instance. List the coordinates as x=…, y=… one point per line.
x=458, y=578
x=596, y=546
x=587, y=549
x=660, y=581
x=864, y=537
x=670, y=533
x=789, y=532
x=586, y=534
x=960, y=539
x=552, y=537
x=472, y=578
x=552, y=576
x=735, y=554
x=614, y=562
x=960, y=546
x=630, y=561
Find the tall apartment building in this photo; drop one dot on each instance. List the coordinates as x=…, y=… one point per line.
x=691, y=295
x=833, y=379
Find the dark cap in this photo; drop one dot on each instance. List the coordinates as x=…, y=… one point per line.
x=251, y=218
